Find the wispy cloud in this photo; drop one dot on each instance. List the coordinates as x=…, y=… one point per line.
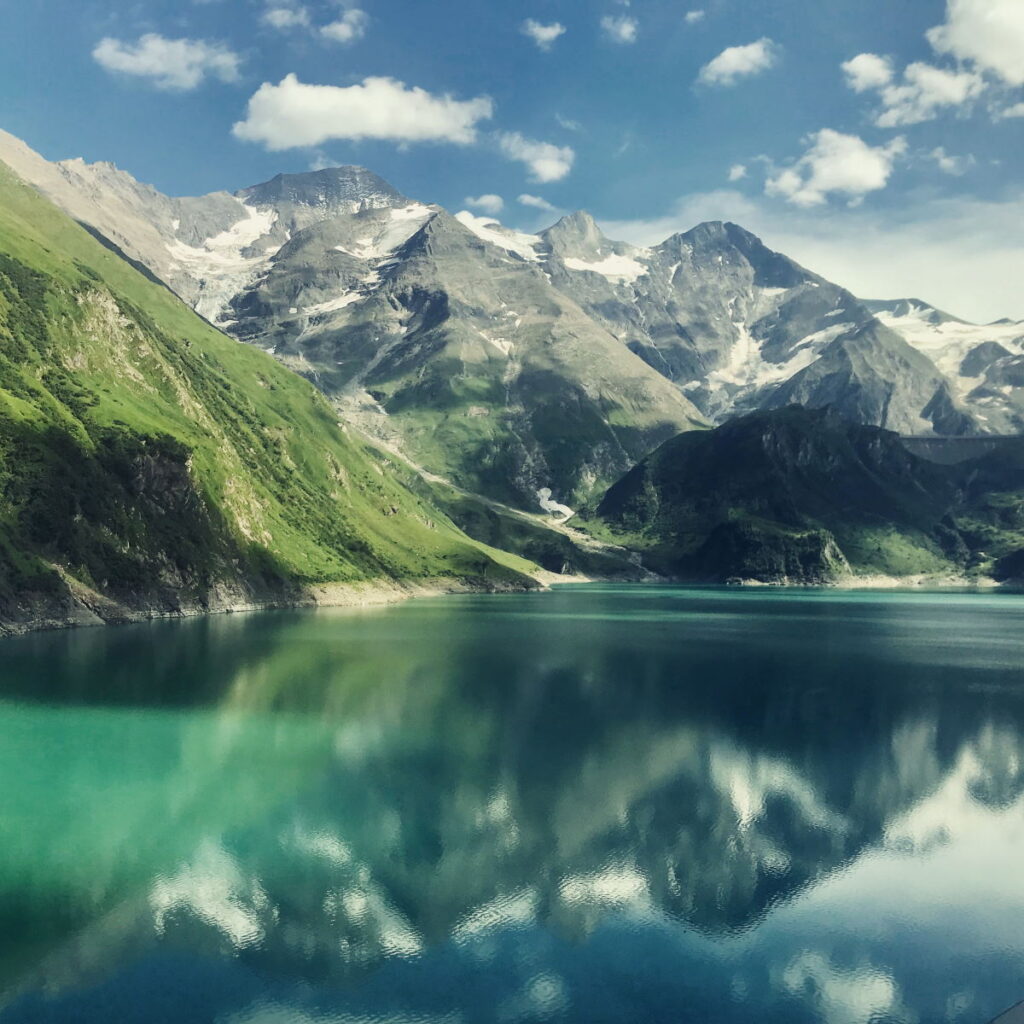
x=351, y=26
x=543, y=35
x=285, y=16
x=172, y=64
x=546, y=161
x=489, y=203
x=620, y=28
x=537, y=202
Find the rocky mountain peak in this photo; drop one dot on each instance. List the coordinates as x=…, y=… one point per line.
x=576, y=234
x=332, y=187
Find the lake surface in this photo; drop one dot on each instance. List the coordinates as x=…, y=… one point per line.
x=596, y=804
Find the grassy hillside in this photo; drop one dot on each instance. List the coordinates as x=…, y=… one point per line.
x=803, y=495
x=149, y=461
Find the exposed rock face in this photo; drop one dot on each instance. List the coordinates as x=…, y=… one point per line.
x=515, y=363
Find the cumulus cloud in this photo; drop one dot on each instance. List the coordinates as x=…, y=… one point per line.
x=537, y=202
x=737, y=172
x=293, y=114
x=924, y=91
x=489, y=203
x=955, y=251
x=283, y=17
x=988, y=32
x=620, y=28
x=348, y=28
x=546, y=161
x=836, y=164
x=692, y=17
x=543, y=35
x=868, y=71
x=172, y=64
x=1016, y=110
x=738, y=62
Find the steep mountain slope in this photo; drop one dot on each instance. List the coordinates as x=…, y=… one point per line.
x=363, y=290
x=740, y=327
x=518, y=365
x=984, y=363
x=805, y=496
x=486, y=374
x=149, y=464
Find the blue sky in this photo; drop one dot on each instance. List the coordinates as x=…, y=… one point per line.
x=897, y=174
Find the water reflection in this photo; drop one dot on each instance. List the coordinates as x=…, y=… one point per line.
x=599, y=804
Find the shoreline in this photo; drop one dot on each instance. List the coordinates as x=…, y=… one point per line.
x=83, y=608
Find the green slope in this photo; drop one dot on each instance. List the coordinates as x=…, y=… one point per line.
x=148, y=460
x=802, y=495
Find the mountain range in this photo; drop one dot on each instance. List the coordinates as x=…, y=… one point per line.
x=469, y=388
x=536, y=369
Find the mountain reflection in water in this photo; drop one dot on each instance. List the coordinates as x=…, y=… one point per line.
x=597, y=804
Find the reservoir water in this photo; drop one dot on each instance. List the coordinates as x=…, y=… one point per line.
x=601, y=803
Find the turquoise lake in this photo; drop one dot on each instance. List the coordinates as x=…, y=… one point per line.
x=599, y=803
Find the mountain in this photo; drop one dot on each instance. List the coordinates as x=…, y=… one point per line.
x=984, y=363
x=739, y=327
x=403, y=315
x=151, y=465
x=802, y=495
x=534, y=369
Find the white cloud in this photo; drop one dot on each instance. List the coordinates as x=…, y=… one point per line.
x=348, y=28
x=867, y=71
x=692, y=17
x=546, y=161
x=172, y=64
x=739, y=62
x=284, y=17
x=542, y=35
x=955, y=165
x=836, y=164
x=923, y=92
x=955, y=252
x=620, y=28
x=293, y=114
x=1016, y=110
x=988, y=32
x=737, y=172
x=537, y=202
x=489, y=203
x=568, y=124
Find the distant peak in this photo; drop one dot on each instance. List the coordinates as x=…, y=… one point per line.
x=576, y=233
x=325, y=187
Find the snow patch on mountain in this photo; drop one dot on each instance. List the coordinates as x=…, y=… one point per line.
x=221, y=266
x=618, y=269
x=949, y=343
x=490, y=230
x=391, y=233
x=333, y=304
